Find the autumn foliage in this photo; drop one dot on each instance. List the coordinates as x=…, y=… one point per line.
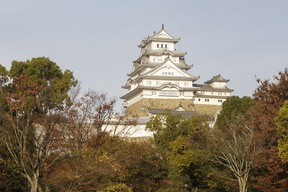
x=269, y=168
x=53, y=138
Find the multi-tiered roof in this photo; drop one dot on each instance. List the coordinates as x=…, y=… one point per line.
x=160, y=72
x=158, y=61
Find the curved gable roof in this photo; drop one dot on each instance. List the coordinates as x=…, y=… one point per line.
x=168, y=63
x=161, y=35
x=217, y=78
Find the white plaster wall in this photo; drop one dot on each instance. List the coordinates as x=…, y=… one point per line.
x=220, y=93
x=186, y=84
x=218, y=84
x=167, y=97
x=166, y=70
x=128, y=131
x=188, y=94
x=212, y=101
x=209, y=93
x=170, y=46
x=157, y=59
x=154, y=94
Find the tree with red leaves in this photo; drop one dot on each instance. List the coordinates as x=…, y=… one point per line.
x=33, y=96
x=270, y=173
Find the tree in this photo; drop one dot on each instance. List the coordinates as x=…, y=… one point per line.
x=268, y=167
x=140, y=165
x=88, y=161
x=121, y=187
x=181, y=143
x=10, y=179
x=232, y=107
x=93, y=170
x=282, y=127
x=235, y=147
x=34, y=96
x=87, y=117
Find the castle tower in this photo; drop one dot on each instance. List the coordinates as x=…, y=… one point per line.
x=212, y=92
x=159, y=79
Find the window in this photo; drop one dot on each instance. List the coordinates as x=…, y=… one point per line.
x=148, y=82
x=165, y=45
x=161, y=45
x=206, y=100
x=199, y=99
x=157, y=45
x=167, y=73
x=220, y=100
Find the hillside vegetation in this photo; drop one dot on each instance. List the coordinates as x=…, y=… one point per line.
x=52, y=139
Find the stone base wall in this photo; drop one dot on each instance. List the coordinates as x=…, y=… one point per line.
x=140, y=108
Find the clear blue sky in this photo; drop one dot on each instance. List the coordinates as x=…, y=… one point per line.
x=98, y=40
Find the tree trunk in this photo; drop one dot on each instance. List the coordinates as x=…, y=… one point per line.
x=34, y=183
x=242, y=181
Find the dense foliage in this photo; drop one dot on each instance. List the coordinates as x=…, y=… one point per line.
x=282, y=127
x=268, y=167
x=53, y=139
x=233, y=107
x=182, y=144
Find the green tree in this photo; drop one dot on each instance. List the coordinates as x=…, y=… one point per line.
x=121, y=187
x=34, y=99
x=233, y=144
x=181, y=143
x=282, y=127
x=232, y=107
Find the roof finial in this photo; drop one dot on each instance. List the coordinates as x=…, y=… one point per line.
x=162, y=26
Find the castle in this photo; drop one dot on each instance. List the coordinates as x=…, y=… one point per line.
x=159, y=80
